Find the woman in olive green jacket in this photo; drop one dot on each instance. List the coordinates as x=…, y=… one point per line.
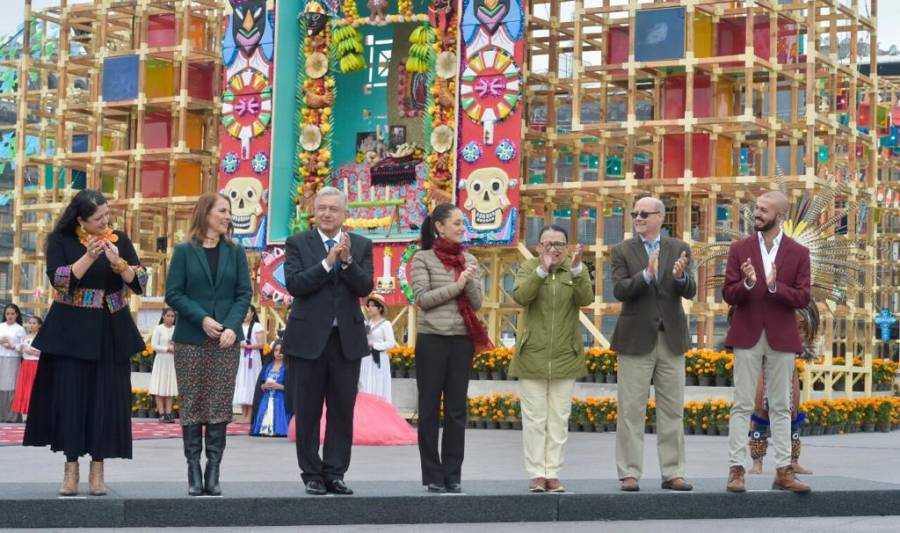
x=549, y=354
x=208, y=284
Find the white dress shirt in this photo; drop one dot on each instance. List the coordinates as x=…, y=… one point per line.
x=337, y=240
x=768, y=256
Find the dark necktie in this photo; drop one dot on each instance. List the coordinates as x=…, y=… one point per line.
x=329, y=244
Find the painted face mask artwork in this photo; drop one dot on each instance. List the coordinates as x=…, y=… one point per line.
x=246, y=195
x=315, y=23
x=487, y=197
x=248, y=24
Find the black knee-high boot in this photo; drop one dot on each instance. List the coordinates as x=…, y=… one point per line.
x=215, y=446
x=192, y=436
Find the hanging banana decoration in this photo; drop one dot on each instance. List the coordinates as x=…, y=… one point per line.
x=347, y=41
x=421, y=52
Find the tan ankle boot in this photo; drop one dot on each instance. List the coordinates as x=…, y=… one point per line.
x=785, y=480
x=736, y=479
x=70, y=480
x=96, y=484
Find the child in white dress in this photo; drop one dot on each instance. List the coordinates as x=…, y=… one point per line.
x=250, y=364
x=375, y=375
x=163, y=383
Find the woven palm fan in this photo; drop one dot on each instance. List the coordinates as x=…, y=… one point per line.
x=837, y=263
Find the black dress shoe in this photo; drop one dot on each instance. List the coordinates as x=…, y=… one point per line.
x=337, y=486
x=316, y=488
x=435, y=487
x=454, y=488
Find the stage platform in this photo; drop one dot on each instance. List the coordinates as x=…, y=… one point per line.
x=128, y=504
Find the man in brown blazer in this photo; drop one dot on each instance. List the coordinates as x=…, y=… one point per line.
x=651, y=275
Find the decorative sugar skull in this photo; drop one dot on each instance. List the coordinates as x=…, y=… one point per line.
x=246, y=195
x=487, y=188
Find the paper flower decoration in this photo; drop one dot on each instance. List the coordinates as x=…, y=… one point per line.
x=311, y=138
x=446, y=66
x=442, y=139
x=316, y=65
x=230, y=163
x=260, y=163
x=472, y=152
x=506, y=150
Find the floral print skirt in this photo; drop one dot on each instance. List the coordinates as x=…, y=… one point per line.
x=206, y=375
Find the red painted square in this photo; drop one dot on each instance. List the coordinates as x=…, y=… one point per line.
x=157, y=130
x=200, y=81
x=155, y=179
x=673, y=156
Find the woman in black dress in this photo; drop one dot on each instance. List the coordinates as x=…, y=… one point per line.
x=81, y=400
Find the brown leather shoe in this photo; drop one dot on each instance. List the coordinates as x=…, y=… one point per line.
x=677, y=483
x=785, y=480
x=736, y=479
x=553, y=485
x=630, y=484
x=70, y=480
x=537, y=484
x=96, y=485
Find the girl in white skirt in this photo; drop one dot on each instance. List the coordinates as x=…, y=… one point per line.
x=163, y=384
x=250, y=364
x=375, y=375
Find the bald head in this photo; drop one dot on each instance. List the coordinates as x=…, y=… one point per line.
x=648, y=215
x=771, y=209
x=778, y=200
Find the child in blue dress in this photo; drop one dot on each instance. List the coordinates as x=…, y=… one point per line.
x=271, y=417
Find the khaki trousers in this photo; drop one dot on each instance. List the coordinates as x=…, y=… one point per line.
x=779, y=369
x=546, y=405
x=666, y=369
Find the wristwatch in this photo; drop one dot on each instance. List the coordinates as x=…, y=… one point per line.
x=348, y=262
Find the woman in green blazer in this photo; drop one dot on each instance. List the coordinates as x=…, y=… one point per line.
x=208, y=284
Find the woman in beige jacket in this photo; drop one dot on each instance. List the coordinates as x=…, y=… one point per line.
x=448, y=290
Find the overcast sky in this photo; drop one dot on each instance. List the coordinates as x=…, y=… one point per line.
x=14, y=12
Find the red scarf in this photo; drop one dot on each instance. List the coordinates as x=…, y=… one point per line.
x=451, y=255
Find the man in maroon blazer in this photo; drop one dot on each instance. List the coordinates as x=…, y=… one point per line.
x=766, y=279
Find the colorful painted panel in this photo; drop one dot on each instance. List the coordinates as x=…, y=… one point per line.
x=246, y=117
x=490, y=122
x=659, y=34
x=391, y=265
x=383, y=211
x=272, y=290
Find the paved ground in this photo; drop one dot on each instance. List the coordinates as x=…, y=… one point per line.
x=490, y=455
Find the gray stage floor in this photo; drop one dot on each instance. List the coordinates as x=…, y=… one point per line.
x=855, y=475
x=490, y=455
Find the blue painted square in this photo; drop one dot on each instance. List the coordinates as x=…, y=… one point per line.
x=659, y=34
x=79, y=144
x=120, y=78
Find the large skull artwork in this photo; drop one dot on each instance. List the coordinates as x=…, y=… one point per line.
x=486, y=188
x=246, y=195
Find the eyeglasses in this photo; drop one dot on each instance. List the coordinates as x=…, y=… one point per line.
x=643, y=214
x=557, y=245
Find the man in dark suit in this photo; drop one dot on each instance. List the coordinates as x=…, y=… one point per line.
x=327, y=271
x=764, y=326
x=651, y=276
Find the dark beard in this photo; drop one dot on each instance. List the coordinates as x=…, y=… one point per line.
x=765, y=227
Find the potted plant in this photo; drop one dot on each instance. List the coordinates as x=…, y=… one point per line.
x=147, y=358
x=723, y=364
x=650, y=417
x=576, y=416
x=593, y=361
x=870, y=414
x=883, y=422
x=691, y=357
